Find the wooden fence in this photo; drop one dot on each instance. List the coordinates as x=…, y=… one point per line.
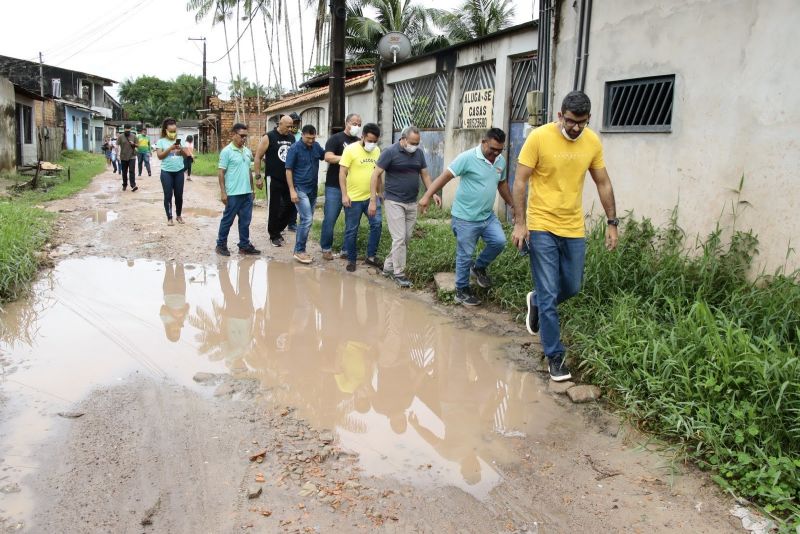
x=52, y=144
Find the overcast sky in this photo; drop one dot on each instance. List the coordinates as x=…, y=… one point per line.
x=121, y=40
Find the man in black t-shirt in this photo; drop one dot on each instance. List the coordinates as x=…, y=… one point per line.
x=333, y=193
x=273, y=149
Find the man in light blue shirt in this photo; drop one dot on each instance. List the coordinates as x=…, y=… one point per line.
x=481, y=171
x=302, y=176
x=236, y=192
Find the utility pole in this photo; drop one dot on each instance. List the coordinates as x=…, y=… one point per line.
x=205, y=84
x=41, y=84
x=337, y=75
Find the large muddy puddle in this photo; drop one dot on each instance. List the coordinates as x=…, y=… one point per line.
x=418, y=397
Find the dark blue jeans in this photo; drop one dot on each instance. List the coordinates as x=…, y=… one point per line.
x=467, y=234
x=352, y=220
x=308, y=199
x=240, y=206
x=557, y=271
x=332, y=209
x=172, y=184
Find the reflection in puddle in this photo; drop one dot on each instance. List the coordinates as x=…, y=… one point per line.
x=102, y=216
x=202, y=212
x=418, y=398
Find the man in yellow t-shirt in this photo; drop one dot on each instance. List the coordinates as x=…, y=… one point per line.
x=551, y=169
x=355, y=175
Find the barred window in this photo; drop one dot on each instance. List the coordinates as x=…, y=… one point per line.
x=421, y=102
x=639, y=105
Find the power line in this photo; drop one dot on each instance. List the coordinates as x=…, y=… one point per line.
x=249, y=22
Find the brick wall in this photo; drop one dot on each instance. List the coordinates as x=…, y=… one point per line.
x=225, y=111
x=50, y=115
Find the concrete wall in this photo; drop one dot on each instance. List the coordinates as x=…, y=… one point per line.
x=30, y=154
x=735, y=112
x=74, y=128
x=8, y=134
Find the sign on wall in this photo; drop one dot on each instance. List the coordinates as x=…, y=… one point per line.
x=477, y=111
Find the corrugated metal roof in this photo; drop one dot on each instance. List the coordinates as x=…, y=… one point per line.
x=316, y=93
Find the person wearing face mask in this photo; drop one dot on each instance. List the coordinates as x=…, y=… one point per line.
x=355, y=174
x=403, y=164
x=552, y=166
x=171, y=154
x=273, y=149
x=333, y=192
x=126, y=151
x=482, y=176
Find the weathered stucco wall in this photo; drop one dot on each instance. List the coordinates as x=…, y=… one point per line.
x=8, y=135
x=30, y=151
x=735, y=112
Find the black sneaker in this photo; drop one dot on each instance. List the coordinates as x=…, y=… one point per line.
x=222, y=250
x=375, y=262
x=135, y=188
x=292, y=227
x=351, y=266
x=387, y=274
x=465, y=297
x=277, y=242
x=558, y=369
x=402, y=281
x=481, y=277
x=249, y=250
x=532, y=318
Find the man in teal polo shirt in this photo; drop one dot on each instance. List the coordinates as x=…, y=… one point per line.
x=236, y=192
x=481, y=171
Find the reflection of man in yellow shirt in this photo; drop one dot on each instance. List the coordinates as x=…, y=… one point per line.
x=552, y=167
x=355, y=173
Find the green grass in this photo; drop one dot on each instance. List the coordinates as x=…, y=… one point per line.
x=24, y=229
x=205, y=164
x=684, y=341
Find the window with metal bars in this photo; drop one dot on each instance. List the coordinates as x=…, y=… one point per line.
x=475, y=78
x=421, y=102
x=523, y=80
x=639, y=105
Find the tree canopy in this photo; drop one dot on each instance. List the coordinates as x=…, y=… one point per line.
x=150, y=99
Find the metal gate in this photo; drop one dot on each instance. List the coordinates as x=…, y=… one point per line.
x=474, y=78
x=523, y=80
x=421, y=102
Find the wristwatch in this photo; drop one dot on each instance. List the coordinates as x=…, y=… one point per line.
x=613, y=222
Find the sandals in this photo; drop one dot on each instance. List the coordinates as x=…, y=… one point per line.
x=179, y=219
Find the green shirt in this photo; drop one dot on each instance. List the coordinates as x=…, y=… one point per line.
x=477, y=189
x=142, y=144
x=236, y=164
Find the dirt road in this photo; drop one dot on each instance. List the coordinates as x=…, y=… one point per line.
x=150, y=386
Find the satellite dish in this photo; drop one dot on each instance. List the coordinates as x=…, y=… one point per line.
x=394, y=46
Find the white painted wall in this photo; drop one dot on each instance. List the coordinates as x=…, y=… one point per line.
x=735, y=112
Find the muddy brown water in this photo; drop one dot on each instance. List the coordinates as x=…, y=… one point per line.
x=418, y=397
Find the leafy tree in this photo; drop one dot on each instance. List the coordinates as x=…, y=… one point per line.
x=363, y=32
x=150, y=99
x=475, y=18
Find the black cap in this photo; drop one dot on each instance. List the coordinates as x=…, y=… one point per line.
x=294, y=116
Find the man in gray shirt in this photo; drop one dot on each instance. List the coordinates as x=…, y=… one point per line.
x=126, y=150
x=403, y=164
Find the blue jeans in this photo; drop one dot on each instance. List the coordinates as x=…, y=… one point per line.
x=557, y=272
x=240, y=206
x=308, y=199
x=143, y=157
x=352, y=220
x=332, y=209
x=467, y=234
x=171, y=183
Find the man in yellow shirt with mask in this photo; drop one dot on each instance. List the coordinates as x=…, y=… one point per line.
x=551, y=170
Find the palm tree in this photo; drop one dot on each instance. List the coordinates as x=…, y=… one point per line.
x=363, y=32
x=476, y=18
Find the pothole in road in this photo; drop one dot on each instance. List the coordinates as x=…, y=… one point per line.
x=202, y=212
x=102, y=216
x=417, y=397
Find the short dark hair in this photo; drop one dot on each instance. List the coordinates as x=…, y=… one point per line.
x=370, y=128
x=495, y=133
x=309, y=129
x=238, y=126
x=577, y=102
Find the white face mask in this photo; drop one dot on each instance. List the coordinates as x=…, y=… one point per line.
x=566, y=135
x=369, y=147
x=355, y=131
x=411, y=148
